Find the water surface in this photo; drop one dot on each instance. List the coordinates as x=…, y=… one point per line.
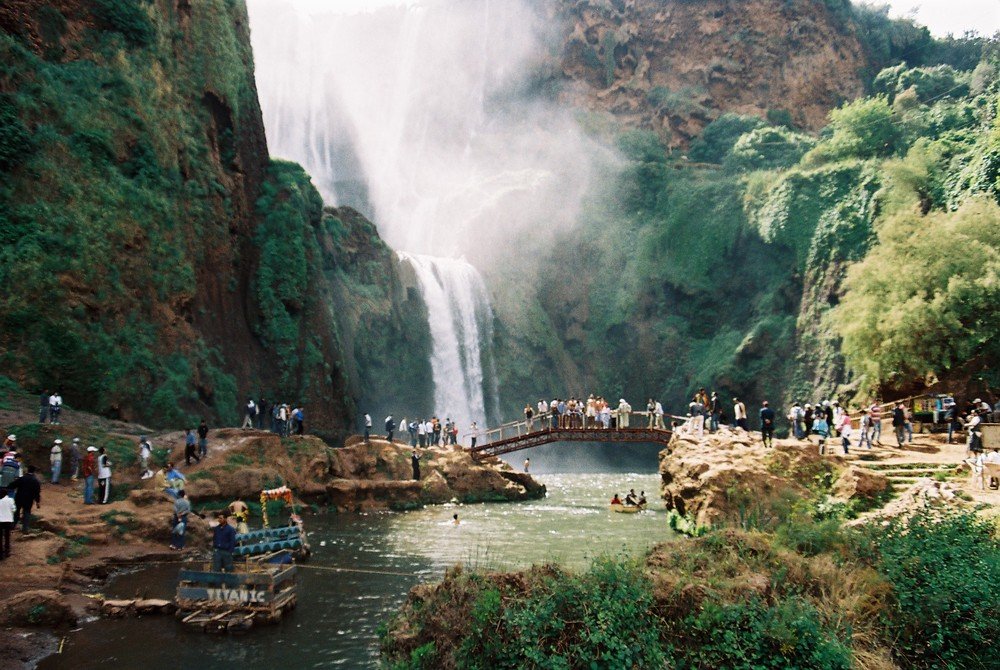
x=338, y=613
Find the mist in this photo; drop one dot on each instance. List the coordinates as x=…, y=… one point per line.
x=425, y=117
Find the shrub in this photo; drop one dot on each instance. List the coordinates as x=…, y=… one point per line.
x=945, y=576
x=602, y=618
x=15, y=139
x=752, y=634
x=767, y=149
x=127, y=17
x=720, y=135
x=865, y=128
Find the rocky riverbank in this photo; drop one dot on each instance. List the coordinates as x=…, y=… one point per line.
x=73, y=547
x=797, y=557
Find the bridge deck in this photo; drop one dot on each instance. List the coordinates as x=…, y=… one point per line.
x=548, y=435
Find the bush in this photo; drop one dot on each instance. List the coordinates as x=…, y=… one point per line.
x=602, y=618
x=768, y=149
x=127, y=17
x=865, y=128
x=751, y=635
x=945, y=576
x=15, y=139
x=720, y=135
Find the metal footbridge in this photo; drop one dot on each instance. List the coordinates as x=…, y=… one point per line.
x=521, y=435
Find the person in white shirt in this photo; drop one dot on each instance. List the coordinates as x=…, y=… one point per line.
x=624, y=411
x=145, y=453
x=55, y=460
x=55, y=407
x=368, y=426
x=103, y=477
x=740, y=413
x=658, y=410
x=422, y=433
x=6, y=522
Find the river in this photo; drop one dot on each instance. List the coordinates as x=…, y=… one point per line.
x=338, y=613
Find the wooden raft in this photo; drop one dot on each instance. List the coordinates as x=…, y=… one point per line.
x=257, y=592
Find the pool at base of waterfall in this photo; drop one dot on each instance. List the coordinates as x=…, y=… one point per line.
x=339, y=612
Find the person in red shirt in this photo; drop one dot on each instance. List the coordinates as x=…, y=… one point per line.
x=88, y=469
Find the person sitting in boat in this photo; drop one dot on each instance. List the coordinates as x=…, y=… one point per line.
x=642, y=498
x=616, y=500
x=630, y=498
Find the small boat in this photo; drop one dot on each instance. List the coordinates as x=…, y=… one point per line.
x=627, y=509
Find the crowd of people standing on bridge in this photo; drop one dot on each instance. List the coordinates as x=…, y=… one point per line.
x=594, y=412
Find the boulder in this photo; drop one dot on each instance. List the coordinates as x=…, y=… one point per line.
x=857, y=483
x=42, y=607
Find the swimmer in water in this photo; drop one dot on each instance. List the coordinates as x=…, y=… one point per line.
x=455, y=520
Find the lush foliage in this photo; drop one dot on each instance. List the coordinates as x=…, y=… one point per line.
x=119, y=200
x=945, y=577
x=924, y=300
x=720, y=135
x=603, y=618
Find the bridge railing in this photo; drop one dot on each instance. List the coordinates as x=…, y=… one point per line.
x=543, y=422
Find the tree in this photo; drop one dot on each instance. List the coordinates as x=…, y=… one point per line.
x=923, y=301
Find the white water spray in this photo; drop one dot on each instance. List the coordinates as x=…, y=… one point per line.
x=461, y=323
x=420, y=115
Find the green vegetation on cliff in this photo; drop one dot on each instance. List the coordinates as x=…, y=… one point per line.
x=122, y=177
x=769, y=263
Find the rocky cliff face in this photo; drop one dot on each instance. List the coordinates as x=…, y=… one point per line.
x=674, y=66
x=158, y=267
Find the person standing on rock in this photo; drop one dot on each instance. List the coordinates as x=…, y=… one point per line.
x=7, y=507
x=864, y=424
x=103, y=477
x=411, y=428
x=89, y=470
x=55, y=407
x=190, y=451
x=714, y=411
x=822, y=430
x=202, y=440
x=43, y=406
x=844, y=428
x=697, y=416
x=145, y=453
x=875, y=411
x=74, y=459
x=474, y=432
x=415, y=462
x=262, y=410
x=422, y=433
x=527, y=465
x=249, y=413
x=29, y=492
x=390, y=427
x=368, y=427
x=182, y=507
x=55, y=460
x=767, y=417
x=740, y=413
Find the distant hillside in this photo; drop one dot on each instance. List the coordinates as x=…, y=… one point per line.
x=674, y=66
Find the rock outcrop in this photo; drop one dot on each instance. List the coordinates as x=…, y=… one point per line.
x=729, y=476
x=675, y=66
x=357, y=477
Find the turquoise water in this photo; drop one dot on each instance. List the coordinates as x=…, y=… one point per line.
x=338, y=614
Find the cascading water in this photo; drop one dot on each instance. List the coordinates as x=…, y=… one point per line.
x=419, y=115
x=461, y=321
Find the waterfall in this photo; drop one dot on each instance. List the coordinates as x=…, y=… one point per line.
x=422, y=115
x=461, y=325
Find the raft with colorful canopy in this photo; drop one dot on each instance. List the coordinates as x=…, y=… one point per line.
x=267, y=540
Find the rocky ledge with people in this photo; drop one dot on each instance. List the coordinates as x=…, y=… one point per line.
x=71, y=546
